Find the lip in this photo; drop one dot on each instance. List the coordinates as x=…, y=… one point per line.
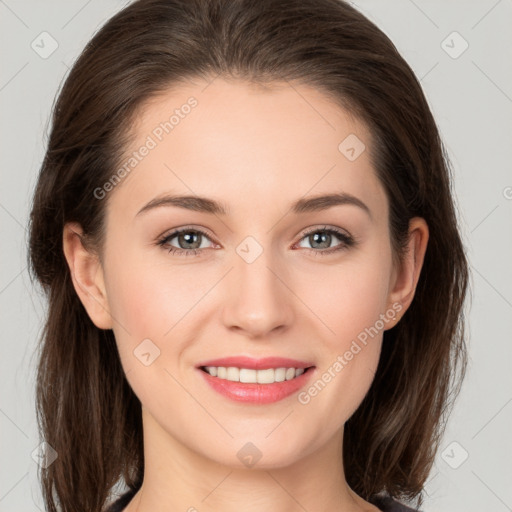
x=257, y=364
x=257, y=393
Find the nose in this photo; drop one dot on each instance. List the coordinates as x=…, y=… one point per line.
x=258, y=299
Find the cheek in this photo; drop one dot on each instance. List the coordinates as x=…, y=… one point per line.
x=149, y=299
x=353, y=296
x=353, y=309
x=152, y=306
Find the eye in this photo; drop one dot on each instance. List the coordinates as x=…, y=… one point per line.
x=188, y=239
x=322, y=238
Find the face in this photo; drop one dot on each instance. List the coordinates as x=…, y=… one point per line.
x=269, y=273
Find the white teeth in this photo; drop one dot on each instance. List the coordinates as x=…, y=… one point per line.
x=250, y=376
x=233, y=374
x=265, y=376
x=247, y=375
x=280, y=374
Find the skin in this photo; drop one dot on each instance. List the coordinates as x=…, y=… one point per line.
x=257, y=150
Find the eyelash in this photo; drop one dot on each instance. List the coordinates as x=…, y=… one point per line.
x=347, y=241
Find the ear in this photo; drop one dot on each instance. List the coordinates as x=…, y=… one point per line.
x=87, y=276
x=405, y=278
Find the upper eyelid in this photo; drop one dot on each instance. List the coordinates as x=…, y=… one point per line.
x=341, y=231
x=176, y=231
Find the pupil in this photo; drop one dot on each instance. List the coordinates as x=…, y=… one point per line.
x=317, y=236
x=187, y=237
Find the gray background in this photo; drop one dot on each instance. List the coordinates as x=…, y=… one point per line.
x=470, y=94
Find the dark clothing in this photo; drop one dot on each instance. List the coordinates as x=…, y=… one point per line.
x=121, y=502
x=390, y=505
x=385, y=504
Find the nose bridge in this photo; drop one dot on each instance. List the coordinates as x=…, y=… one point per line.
x=258, y=300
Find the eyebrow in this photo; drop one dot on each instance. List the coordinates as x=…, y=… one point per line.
x=304, y=205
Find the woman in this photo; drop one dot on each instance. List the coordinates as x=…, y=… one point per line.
x=245, y=229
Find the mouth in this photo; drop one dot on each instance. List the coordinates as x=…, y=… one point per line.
x=252, y=376
x=258, y=381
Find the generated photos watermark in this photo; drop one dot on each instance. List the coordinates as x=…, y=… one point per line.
x=152, y=140
x=344, y=359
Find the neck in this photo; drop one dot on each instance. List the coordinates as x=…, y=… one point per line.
x=176, y=478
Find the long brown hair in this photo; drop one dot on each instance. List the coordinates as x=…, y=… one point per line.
x=86, y=409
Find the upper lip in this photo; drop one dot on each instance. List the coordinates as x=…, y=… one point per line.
x=256, y=364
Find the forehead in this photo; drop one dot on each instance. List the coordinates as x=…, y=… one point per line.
x=236, y=141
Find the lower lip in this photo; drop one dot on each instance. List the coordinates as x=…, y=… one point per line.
x=257, y=393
